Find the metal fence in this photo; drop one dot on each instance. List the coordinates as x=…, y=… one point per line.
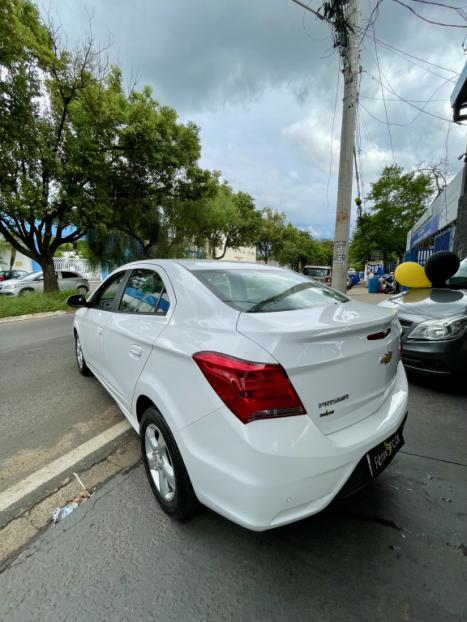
x=78, y=265
x=419, y=255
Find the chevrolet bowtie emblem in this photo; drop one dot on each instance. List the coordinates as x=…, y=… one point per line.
x=386, y=358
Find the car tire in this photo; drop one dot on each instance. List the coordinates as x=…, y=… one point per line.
x=165, y=468
x=83, y=368
x=83, y=290
x=26, y=292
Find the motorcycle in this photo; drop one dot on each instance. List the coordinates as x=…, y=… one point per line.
x=387, y=284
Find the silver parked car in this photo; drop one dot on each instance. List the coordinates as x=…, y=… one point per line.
x=323, y=274
x=34, y=282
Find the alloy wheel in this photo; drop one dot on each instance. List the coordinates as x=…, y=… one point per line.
x=79, y=353
x=159, y=462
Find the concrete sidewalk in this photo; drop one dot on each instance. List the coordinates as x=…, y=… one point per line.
x=360, y=292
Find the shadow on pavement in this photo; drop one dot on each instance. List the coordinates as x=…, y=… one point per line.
x=443, y=384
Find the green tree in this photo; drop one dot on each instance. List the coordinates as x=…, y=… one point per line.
x=152, y=169
x=269, y=238
x=22, y=34
x=297, y=249
x=51, y=155
x=81, y=157
x=325, y=252
x=398, y=200
x=225, y=219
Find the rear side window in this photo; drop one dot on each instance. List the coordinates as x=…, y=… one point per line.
x=260, y=291
x=316, y=272
x=145, y=293
x=70, y=275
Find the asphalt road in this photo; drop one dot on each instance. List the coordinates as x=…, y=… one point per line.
x=46, y=406
x=396, y=551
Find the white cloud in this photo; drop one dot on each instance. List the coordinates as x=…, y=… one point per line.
x=260, y=79
x=314, y=140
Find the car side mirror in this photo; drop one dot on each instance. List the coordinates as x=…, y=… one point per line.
x=78, y=300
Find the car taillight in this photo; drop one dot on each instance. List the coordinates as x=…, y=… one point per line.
x=251, y=390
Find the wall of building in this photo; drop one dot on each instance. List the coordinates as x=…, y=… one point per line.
x=460, y=236
x=21, y=261
x=245, y=253
x=441, y=214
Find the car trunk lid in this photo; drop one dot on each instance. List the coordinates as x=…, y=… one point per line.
x=341, y=358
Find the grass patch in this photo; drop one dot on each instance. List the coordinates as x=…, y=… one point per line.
x=33, y=303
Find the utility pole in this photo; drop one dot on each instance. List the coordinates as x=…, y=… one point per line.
x=344, y=18
x=351, y=69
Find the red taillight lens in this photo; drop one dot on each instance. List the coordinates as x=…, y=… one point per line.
x=251, y=390
x=381, y=335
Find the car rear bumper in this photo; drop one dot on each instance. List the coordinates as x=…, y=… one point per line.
x=437, y=358
x=270, y=473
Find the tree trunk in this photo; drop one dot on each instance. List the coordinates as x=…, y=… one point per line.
x=12, y=257
x=50, y=278
x=224, y=251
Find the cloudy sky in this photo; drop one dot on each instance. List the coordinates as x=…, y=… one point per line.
x=260, y=78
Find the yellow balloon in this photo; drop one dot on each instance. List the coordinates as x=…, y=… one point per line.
x=411, y=274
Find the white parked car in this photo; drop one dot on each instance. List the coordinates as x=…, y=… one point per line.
x=34, y=282
x=255, y=390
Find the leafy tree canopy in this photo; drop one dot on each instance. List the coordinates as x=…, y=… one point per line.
x=398, y=200
x=297, y=249
x=269, y=237
x=78, y=155
x=52, y=151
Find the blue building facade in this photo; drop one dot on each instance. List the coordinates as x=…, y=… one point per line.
x=435, y=230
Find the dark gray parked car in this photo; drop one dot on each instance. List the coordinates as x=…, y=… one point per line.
x=434, y=326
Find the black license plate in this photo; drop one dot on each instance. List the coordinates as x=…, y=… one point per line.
x=381, y=455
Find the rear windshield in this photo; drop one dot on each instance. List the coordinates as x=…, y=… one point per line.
x=260, y=291
x=316, y=271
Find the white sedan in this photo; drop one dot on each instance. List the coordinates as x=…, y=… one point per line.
x=255, y=390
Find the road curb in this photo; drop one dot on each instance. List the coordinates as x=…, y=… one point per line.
x=28, y=492
x=30, y=316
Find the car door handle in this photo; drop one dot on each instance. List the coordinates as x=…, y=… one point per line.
x=98, y=330
x=136, y=351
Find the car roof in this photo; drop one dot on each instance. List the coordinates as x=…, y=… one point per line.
x=202, y=264
x=216, y=264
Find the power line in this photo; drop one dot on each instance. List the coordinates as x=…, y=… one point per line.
x=379, y=120
x=372, y=18
x=400, y=101
x=408, y=102
x=457, y=9
x=315, y=13
x=412, y=56
x=425, y=19
x=446, y=143
x=382, y=94
x=308, y=33
x=332, y=135
x=412, y=120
